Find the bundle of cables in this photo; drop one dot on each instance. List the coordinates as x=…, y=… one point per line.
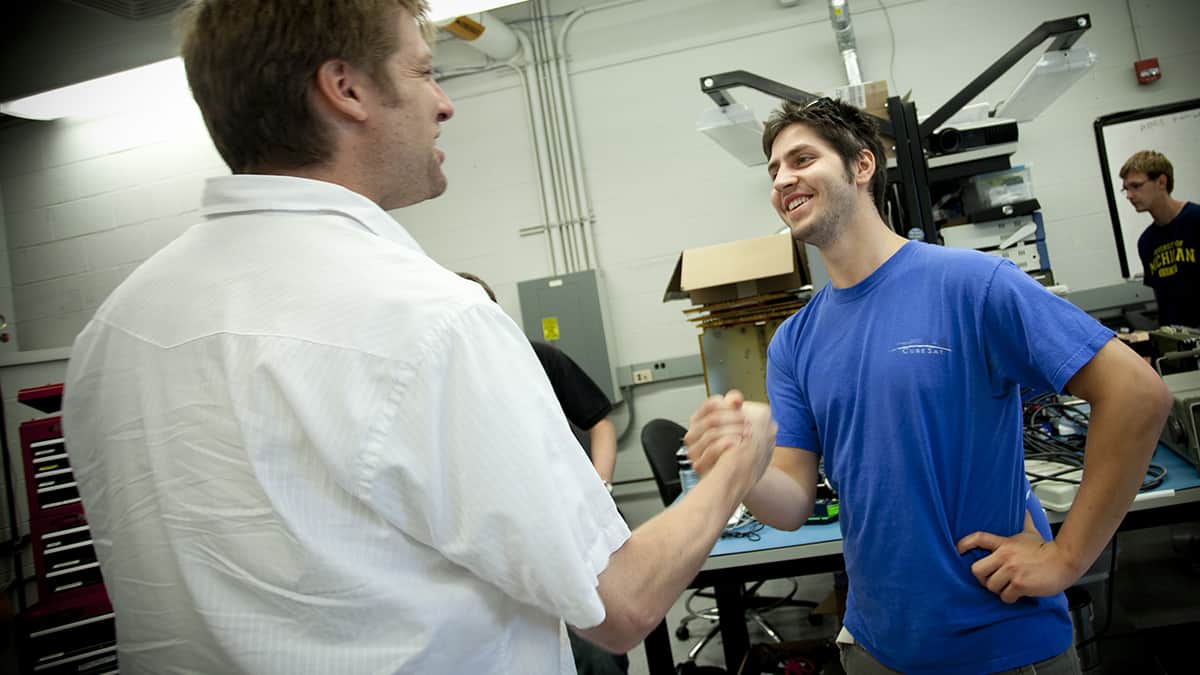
x=1055, y=431
x=743, y=524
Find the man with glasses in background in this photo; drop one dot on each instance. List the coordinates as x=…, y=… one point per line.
x=1167, y=247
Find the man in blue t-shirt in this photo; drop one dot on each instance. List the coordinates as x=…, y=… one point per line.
x=904, y=373
x=1167, y=247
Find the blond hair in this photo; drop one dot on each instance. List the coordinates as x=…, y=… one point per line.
x=1151, y=163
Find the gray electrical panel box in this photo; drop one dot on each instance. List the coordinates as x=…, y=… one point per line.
x=568, y=311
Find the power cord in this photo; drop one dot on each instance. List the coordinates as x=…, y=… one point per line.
x=747, y=527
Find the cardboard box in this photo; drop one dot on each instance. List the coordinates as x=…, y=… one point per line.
x=739, y=269
x=870, y=96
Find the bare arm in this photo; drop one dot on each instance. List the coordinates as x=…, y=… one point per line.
x=783, y=497
x=646, y=575
x=604, y=448
x=1129, y=403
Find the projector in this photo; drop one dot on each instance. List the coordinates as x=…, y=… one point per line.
x=1182, y=430
x=964, y=136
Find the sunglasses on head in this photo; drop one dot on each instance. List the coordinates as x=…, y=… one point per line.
x=820, y=102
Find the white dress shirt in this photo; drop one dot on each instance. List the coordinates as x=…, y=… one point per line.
x=305, y=447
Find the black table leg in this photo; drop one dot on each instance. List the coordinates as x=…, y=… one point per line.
x=732, y=611
x=658, y=650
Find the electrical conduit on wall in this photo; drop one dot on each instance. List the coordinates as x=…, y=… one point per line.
x=539, y=61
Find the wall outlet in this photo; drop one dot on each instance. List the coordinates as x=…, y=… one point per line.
x=663, y=370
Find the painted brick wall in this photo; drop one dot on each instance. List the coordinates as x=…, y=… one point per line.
x=86, y=200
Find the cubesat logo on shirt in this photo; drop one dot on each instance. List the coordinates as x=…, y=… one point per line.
x=918, y=347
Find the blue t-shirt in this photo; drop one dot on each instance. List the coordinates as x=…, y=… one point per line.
x=908, y=383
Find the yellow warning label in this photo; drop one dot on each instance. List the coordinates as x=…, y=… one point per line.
x=550, y=328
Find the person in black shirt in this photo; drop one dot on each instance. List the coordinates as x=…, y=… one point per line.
x=1168, y=246
x=586, y=406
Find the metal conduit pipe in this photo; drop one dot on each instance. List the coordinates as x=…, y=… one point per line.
x=568, y=181
x=575, y=183
x=570, y=154
x=550, y=118
x=587, y=211
x=505, y=47
x=549, y=154
x=843, y=30
x=526, y=54
x=545, y=101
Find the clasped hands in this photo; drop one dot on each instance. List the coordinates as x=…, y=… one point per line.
x=731, y=425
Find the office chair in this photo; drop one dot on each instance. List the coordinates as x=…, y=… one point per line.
x=661, y=439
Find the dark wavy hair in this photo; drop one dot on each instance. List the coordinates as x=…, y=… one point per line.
x=848, y=129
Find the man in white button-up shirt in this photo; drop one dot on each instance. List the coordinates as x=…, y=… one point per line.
x=305, y=447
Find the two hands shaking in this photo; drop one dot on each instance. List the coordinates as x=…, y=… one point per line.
x=734, y=432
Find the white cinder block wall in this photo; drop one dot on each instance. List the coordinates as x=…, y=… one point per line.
x=85, y=201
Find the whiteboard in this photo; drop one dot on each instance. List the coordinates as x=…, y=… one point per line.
x=1172, y=129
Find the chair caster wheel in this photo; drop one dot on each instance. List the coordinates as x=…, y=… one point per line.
x=682, y=633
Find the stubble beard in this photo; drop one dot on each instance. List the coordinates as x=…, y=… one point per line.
x=437, y=180
x=419, y=183
x=827, y=227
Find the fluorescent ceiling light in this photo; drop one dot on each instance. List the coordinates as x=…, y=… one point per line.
x=145, y=85
x=148, y=84
x=735, y=128
x=440, y=10
x=1053, y=74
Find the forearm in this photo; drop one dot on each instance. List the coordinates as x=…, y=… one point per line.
x=780, y=501
x=646, y=575
x=603, y=437
x=1122, y=434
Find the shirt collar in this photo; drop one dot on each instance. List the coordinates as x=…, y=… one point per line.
x=242, y=193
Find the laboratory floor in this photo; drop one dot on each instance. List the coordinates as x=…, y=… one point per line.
x=1154, y=628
